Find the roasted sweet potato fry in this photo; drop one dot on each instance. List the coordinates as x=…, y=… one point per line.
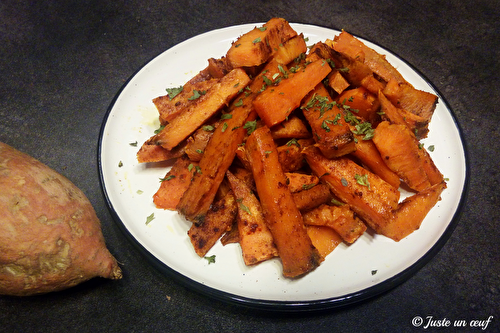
x=290, y=50
x=312, y=197
x=406, y=97
x=219, y=220
x=256, y=46
x=299, y=181
x=169, y=107
x=330, y=131
x=401, y=152
x=411, y=212
x=151, y=152
x=290, y=155
x=205, y=106
x=217, y=158
x=292, y=128
x=255, y=239
x=339, y=218
x=347, y=44
x=174, y=184
x=285, y=93
x=367, y=194
x=296, y=251
x=415, y=123
x=324, y=239
x=360, y=99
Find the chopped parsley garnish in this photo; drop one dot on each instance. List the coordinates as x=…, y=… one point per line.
x=167, y=178
x=364, y=128
x=262, y=28
x=239, y=102
x=133, y=144
x=250, y=126
x=120, y=164
x=208, y=128
x=211, y=259
x=431, y=148
x=257, y=40
x=172, y=92
x=159, y=129
x=226, y=116
x=150, y=218
x=224, y=127
x=245, y=209
x=197, y=94
x=293, y=142
x=336, y=202
x=308, y=186
x=362, y=180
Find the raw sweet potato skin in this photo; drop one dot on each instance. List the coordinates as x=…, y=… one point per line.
x=50, y=236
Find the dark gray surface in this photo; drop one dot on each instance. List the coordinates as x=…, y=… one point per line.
x=63, y=62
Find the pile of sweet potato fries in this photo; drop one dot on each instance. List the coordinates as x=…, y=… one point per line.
x=290, y=150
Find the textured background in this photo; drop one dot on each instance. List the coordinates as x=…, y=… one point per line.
x=63, y=62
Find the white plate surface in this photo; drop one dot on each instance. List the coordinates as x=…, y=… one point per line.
x=348, y=270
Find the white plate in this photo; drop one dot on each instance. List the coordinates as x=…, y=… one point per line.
x=351, y=273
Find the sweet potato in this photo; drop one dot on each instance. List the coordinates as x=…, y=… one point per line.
x=279, y=99
x=416, y=124
x=330, y=131
x=293, y=128
x=312, y=197
x=411, y=212
x=255, y=239
x=256, y=46
x=400, y=150
x=367, y=194
x=205, y=106
x=347, y=44
x=298, y=255
x=324, y=239
x=290, y=155
x=151, y=152
x=216, y=160
x=174, y=184
x=406, y=97
x=218, y=220
x=339, y=218
x=290, y=50
x=50, y=236
x=169, y=108
x=362, y=101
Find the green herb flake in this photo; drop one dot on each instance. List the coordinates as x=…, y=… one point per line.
x=190, y=167
x=198, y=169
x=344, y=182
x=159, y=129
x=262, y=28
x=293, y=142
x=308, y=186
x=197, y=94
x=172, y=92
x=257, y=40
x=199, y=151
x=208, y=128
x=150, y=218
x=250, y=126
x=431, y=148
x=226, y=116
x=140, y=192
x=210, y=259
x=133, y=144
x=167, y=178
x=224, y=127
x=337, y=202
x=239, y=102
x=374, y=272
x=362, y=180
x=245, y=209
x=120, y=164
